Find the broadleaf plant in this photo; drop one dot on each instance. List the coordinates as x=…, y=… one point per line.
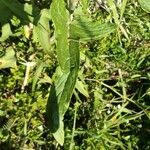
x=69, y=33
x=68, y=58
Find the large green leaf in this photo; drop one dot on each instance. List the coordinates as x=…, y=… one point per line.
x=58, y=103
x=60, y=19
x=145, y=4
x=84, y=29
x=68, y=58
x=41, y=31
x=9, y=59
x=61, y=93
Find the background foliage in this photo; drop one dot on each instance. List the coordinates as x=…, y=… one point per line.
x=109, y=108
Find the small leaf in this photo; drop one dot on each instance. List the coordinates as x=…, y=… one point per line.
x=37, y=74
x=6, y=32
x=81, y=88
x=27, y=31
x=9, y=59
x=145, y=4
x=45, y=79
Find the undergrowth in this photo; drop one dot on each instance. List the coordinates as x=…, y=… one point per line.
x=109, y=108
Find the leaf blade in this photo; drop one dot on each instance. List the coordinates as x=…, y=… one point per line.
x=86, y=30
x=145, y=4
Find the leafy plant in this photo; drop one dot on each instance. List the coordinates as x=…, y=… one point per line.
x=68, y=35
x=86, y=62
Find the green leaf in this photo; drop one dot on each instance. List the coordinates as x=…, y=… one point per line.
x=81, y=88
x=45, y=79
x=25, y=12
x=6, y=32
x=113, y=8
x=84, y=29
x=122, y=8
x=41, y=31
x=145, y=4
x=37, y=74
x=9, y=59
x=60, y=95
x=5, y=13
x=59, y=135
x=60, y=18
x=68, y=58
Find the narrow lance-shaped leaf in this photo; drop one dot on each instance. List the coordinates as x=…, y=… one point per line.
x=60, y=96
x=68, y=58
x=84, y=29
x=60, y=19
